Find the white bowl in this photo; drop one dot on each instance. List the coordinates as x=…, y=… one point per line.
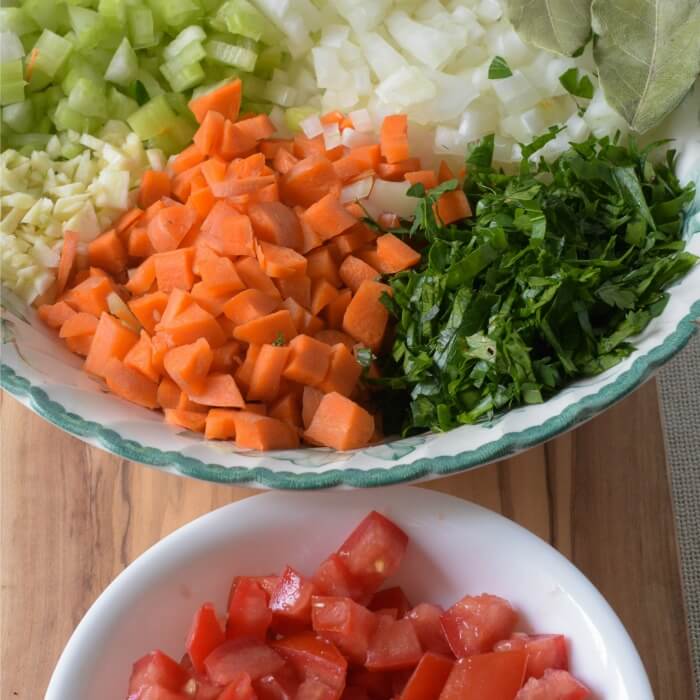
x=456, y=548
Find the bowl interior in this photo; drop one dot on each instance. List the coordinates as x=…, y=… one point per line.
x=456, y=548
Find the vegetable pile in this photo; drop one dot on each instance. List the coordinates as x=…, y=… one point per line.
x=560, y=266
x=337, y=636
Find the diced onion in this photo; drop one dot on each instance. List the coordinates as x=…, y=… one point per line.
x=311, y=126
x=391, y=197
x=356, y=190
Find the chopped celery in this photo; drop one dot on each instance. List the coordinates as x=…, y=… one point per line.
x=151, y=85
x=10, y=46
x=256, y=107
x=186, y=37
x=231, y=55
x=295, y=115
x=51, y=50
x=79, y=69
x=88, y=98
x=175, y=138
x=270, y=58
x=185, y=77
x=192, y=53
x=26, y=143
x=44, y=125
x=11, y=71
x=124, y=66
x=152, y=119
x=177, y=13
x=113, y=11
x=48, y=14
x=19, y=117
x=178, y=103
x=120, y=106
x=15, y=19
x=141, y=27
x=240, y=17
x=281, y=95
x=90, y=27
x=254, y=87
x=11, y=82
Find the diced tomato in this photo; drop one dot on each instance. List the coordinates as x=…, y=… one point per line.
x=157, y=668
x=554, y=685
x=496, y=676
x=315, y=658
x=156, y=692
x=374, y=551
x=377, y=684
x=399, y=680
x=475, y=623
x=280, y=686
x=393, y=598
x=393, y=613
x=248, y=614
x=267, y=583
x=311, y=689
x=205, y=635
x=241, y=688
x=425, y=619
x=344, y=622
x=291, y=599
x=232, y=657
x=393, y=646
x=429, y=678
x=543, y=651
x=354, y=693
x=204, y=688
x=332, y=578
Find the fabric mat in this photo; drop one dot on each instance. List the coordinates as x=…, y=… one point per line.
x=679, y=383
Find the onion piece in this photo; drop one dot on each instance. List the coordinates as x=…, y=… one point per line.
x=361, y=120
x=311, y=126
x=331, y=136
x=391, y=197
x=356, y=190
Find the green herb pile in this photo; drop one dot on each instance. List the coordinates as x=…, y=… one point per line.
x=561, y=264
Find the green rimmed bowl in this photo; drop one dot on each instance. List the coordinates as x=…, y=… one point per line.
x=41, y=373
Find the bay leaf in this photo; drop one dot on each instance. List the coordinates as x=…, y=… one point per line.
x=648, y=55
x=562, y=26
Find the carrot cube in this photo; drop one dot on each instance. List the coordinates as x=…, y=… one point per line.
x=328, y=217
x=265, y=380
x=112, y=339
x=340, y=423
x=220, y=424
x=344, y=371
x=264, y=433
x=174, y=269
x=308, y=361
x=366, y=317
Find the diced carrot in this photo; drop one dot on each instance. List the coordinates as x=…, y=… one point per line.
x=250, y=304
x=140, y=358
x=67, y=260
x=190, y=420
x=453, y=206
x=260, y=409
x=308, y=361
x=271, y=193
x=258, y=127
x=182, y=183
x=304, y=147
x=142, y=278
x=202, y=201
x=208, y=137
x=193, y=323
x=55, y=315
x=151, y=212
x=168, y=393
x=112, y=339
x=310, y=239
x=169, y=226
x=78, y=324
x=427, y=178
x=234, y=186
x=354, y=272
x=284, y=161
x=130, y=384
x=127, y=220
x=184, y=403
x=80, y=344
x=288, y=410
x=322, y=294
x=188, y=365
x=276, y=223
x=331, y=337
x=227, y=233
x=344, y=371
x=218, y=390
x=108, y=253
x=186, y=159
x=251, y=273
x=320, y=264
x=265, y=380
x=297, y=287
x=235, y=142
x=149, y=309
x=360, y=161
x=225, y=99
x=334, y=117
x=394, y=138
x=271, y=147
x=310, y=403
x=264, y=433
x=220, y=424
x=214, y=170
x=139, y=245
x=178, y=301
x=250, y=166
x=217, y=272
x=245, y=371
x=396, y=171
x=370, y=256
x=267, y=329
x=395, y=255
x=353, y=239
x=161, y=344
x=308, y=181
x=340, y=423
x=90, y=295
x=227, y=357
x=154, y=185
x=174, y=269
x=280, y=262
x=366, y=317
x=304, y=321
x=211, y=299
x=328, y=217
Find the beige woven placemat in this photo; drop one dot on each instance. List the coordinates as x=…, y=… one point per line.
x=679, y=383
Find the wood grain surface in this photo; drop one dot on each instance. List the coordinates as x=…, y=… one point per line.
x=72, y=517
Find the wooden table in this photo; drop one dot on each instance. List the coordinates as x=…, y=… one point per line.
x=72, y=517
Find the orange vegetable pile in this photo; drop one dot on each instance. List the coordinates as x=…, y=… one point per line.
x=235, y=296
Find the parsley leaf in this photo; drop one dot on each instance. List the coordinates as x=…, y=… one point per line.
x=279, y=341
x=499, y=69
x=575, y=85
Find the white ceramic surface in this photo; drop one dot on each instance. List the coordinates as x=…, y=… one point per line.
x=456, y=548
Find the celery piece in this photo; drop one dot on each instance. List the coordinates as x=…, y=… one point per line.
x=178, y=103
x=11, y=82
x=71, y=150
x=153, y=118
x=295, y=115
x=256, y=107
x=26, y=143
x=231, y=55
x=64, y=118
x=88, y=98
x=254, y=87
x=175, y=138
x=51, y=50
x=48, y=14
x=28, y=41
x=11, y=71
x=38, y=81
x=11, y=93
x=187, y=36
x=53, y=95
x=120, y=106
x=177, y=13
x=151, y=85
x=79, y=69
x=15, y=19
x=183, y=78
x=141, y=27
x=114, y=11
x=270, y=58
x=124, y=66
x=281, y=95
x=192, y=53
x=19, y=117
x=44, y=125
x=240, y=17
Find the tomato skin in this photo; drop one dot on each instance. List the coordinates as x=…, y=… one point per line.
x=249, y=616
x=277, y=687
x=475, y=623
x=390, y=598
x=291, y=599
x=544, y=651
x=156, y=692
x=311, y=689
x=239, y=689
x=373, y=551
x=377, y=684
x=205, y=635
x=496, y=676
x=425, y=619
x=233, y=657
x=332, y=578
x=354, y=693
x=158, y=669
x=267, y=583
x=554, y=685
x=429, y=678
x=394, y=646
x=344, y=622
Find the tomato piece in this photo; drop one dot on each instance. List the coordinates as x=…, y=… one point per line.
x=315, y=658
x=373, y=551
x=543, y=651
x=248, y=614
x=344, y=622
x=496, y=676
x=429, y=678
x=241, y=688
x=390, y=598
x=205, y=635
x=158, y=669
x=399, y=680
x=267, y=583
x=311, y=689
x=156, y=692
x=291, y=599
x=204, y=689
x=425, y=619
x=280, y=686
x=354, y=693
x=376, y=684
x=554, y=685
x=233, y=657
x=475, y=623
x=393, y=646
x=332, y=578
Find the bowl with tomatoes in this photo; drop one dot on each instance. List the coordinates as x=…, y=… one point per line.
x=389, y=594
